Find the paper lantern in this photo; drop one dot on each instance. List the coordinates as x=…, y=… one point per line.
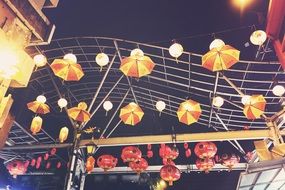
x=169, y=153
x=137, y=53
x=187, y=152
x=91, y=148
x=58, y=165
x=107, y=162
x=131, y=154
x=62, y=102
x=170, y=173
x=42, y=99
x=205, y=150
x=176, y=50
x=70, y=57
x=53, y=151
x=16, y=167
x=258, y=37
x=48, y=164
x=205, y=164
x=245, y=99
x=217, y=43
x=27, y=163
x=33, y=162
x=36, y=125
x=229, y=160
x=107, y=105
x=102, y=59
x=278, y=90
x=90, y=163
x=82, y=105
x=63, y=134
x=218, y=101
x=46, y=156
x=160, y=105
x=40, y=60
x=139, y=166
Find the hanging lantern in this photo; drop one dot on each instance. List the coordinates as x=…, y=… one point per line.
x=168, y=153
x=205, y=150
x=102, y=59
x=107, y=162
x=16, y=167
x=53, y=151
x=278, y=90
x=187, y=152
x=170, y=173
x=205, y=164
x=245, y=99
x=63, y=134
x=217, y=43
x=160, y=106
x=90, y=163
x=149, y=154
x=40, y=60
x=27, y=163
x=42, y=99
x=258, y=37
x=139, y=166
x=70, y=57
x=131, y=154
x=218, y=101
x=254, y=109
x=48, y=164
x=33, y=162
x=137, y=53
x=91, y=148
x=39, y=107
x=79, y=113
x=185, y=145
x=62, y=103
x=46, y=156
x=229, y=160
x=39, y=161
x=176, y=50
x=189, y=112
x=58, y=165
x=167, y=162
x=131, y=114
x=36, y=125
x=107, y=106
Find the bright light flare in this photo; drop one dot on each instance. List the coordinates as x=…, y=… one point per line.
x=9, y=60
x=241, y=4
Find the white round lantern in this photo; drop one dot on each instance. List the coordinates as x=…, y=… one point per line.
x=137, y=52
x=218, y=101
x=258, y=37
x=278, y=90
x=41, y=99
x=245, y=99
x=40, y=60
x=62, y=102
x=70, y=57
x=176, y=50
x=160, y=105
x=217, y=43
x=107, y=105
x=102, y=59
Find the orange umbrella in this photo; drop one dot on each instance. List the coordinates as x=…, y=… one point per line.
x=218, y=59
x=137, y=66
x=67, y=69
x=255, y=107
x=189, y=112
x=131, y=114
x=38, y=107
x=79, y=113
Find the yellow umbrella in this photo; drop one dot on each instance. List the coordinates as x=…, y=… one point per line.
x=38, y=107
x=255, y=107
x=218, y=59
x=67, y=69
x=131, y=114
x=189, y=112
x=79, y=113
x=137, y=66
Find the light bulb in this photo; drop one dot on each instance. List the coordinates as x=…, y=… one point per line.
x=40, y=60
x=217, y=43
x=245, y=99
x=70, y=57
x=258, y=37
x=137, y=52
x=278, y=90
x=107, y=105
x=62, y=102
x=41, y=99
x=176, y=50
x=218, y=101
x=102, y=59
x=160, y=105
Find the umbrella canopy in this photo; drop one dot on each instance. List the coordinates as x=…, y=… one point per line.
x=137, y=66
x=38, y=107
x=218, y=59
x=255, y=107
x=67, y=69
x=189, y=112
x=79, y=113
x=131, y=114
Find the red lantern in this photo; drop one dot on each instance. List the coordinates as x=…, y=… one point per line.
x=168, y=153
x=205, y=149
x=39, y=161
x=58, y=165
x=246, y=127
x=149, y=154
x=205, y=164
x=46, y=156
x=229, y=160
x=27, y=163
x=53, y=151
x=170, y=173
x=167, y=162
x=48, y=165
x=149, y=147
x=187, y=152
x=107, y=162
x=90, y=163
x=131, y=154
x=186, y=146
x=139, y=166
x=33, y=162
x=16, y=167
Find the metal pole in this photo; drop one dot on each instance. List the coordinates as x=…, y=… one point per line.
x=211, y=98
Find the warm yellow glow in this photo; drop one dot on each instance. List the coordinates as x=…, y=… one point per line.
x=63, y=134
x=278, y=90
x=36, y=124
x=41, y=99
x=102, y=59
x=258, y=37
x=217, y=43
x=187, y=107
x=40, y=60
x=176, y=50
x=9, y=61
x=62, y=102
x=137, y=52
x=162, y=183
x=218, y=101
x=70, y=57
x=107, y=105
x=82, y=105
x=241, y=3
x=160, y=105
x=245, y=99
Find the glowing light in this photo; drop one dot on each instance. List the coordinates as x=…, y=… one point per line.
x=102, y=59
x=9, y=62
x=217, y=43
x=62, y=102
x=218, y=101
x=278, y=90
x=137, y=52
x=187, y=107
x=71, y=57
x=36, y=125
x=41, y=99
x=241, y=3
x=107, y=105
x=160, y=105
x=63, y=134
x=176, y=50
x=245, y=99
x=258, y=37
x=82, y=105
x=40, y=60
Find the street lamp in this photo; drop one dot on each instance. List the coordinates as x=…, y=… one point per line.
x=91, y=147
